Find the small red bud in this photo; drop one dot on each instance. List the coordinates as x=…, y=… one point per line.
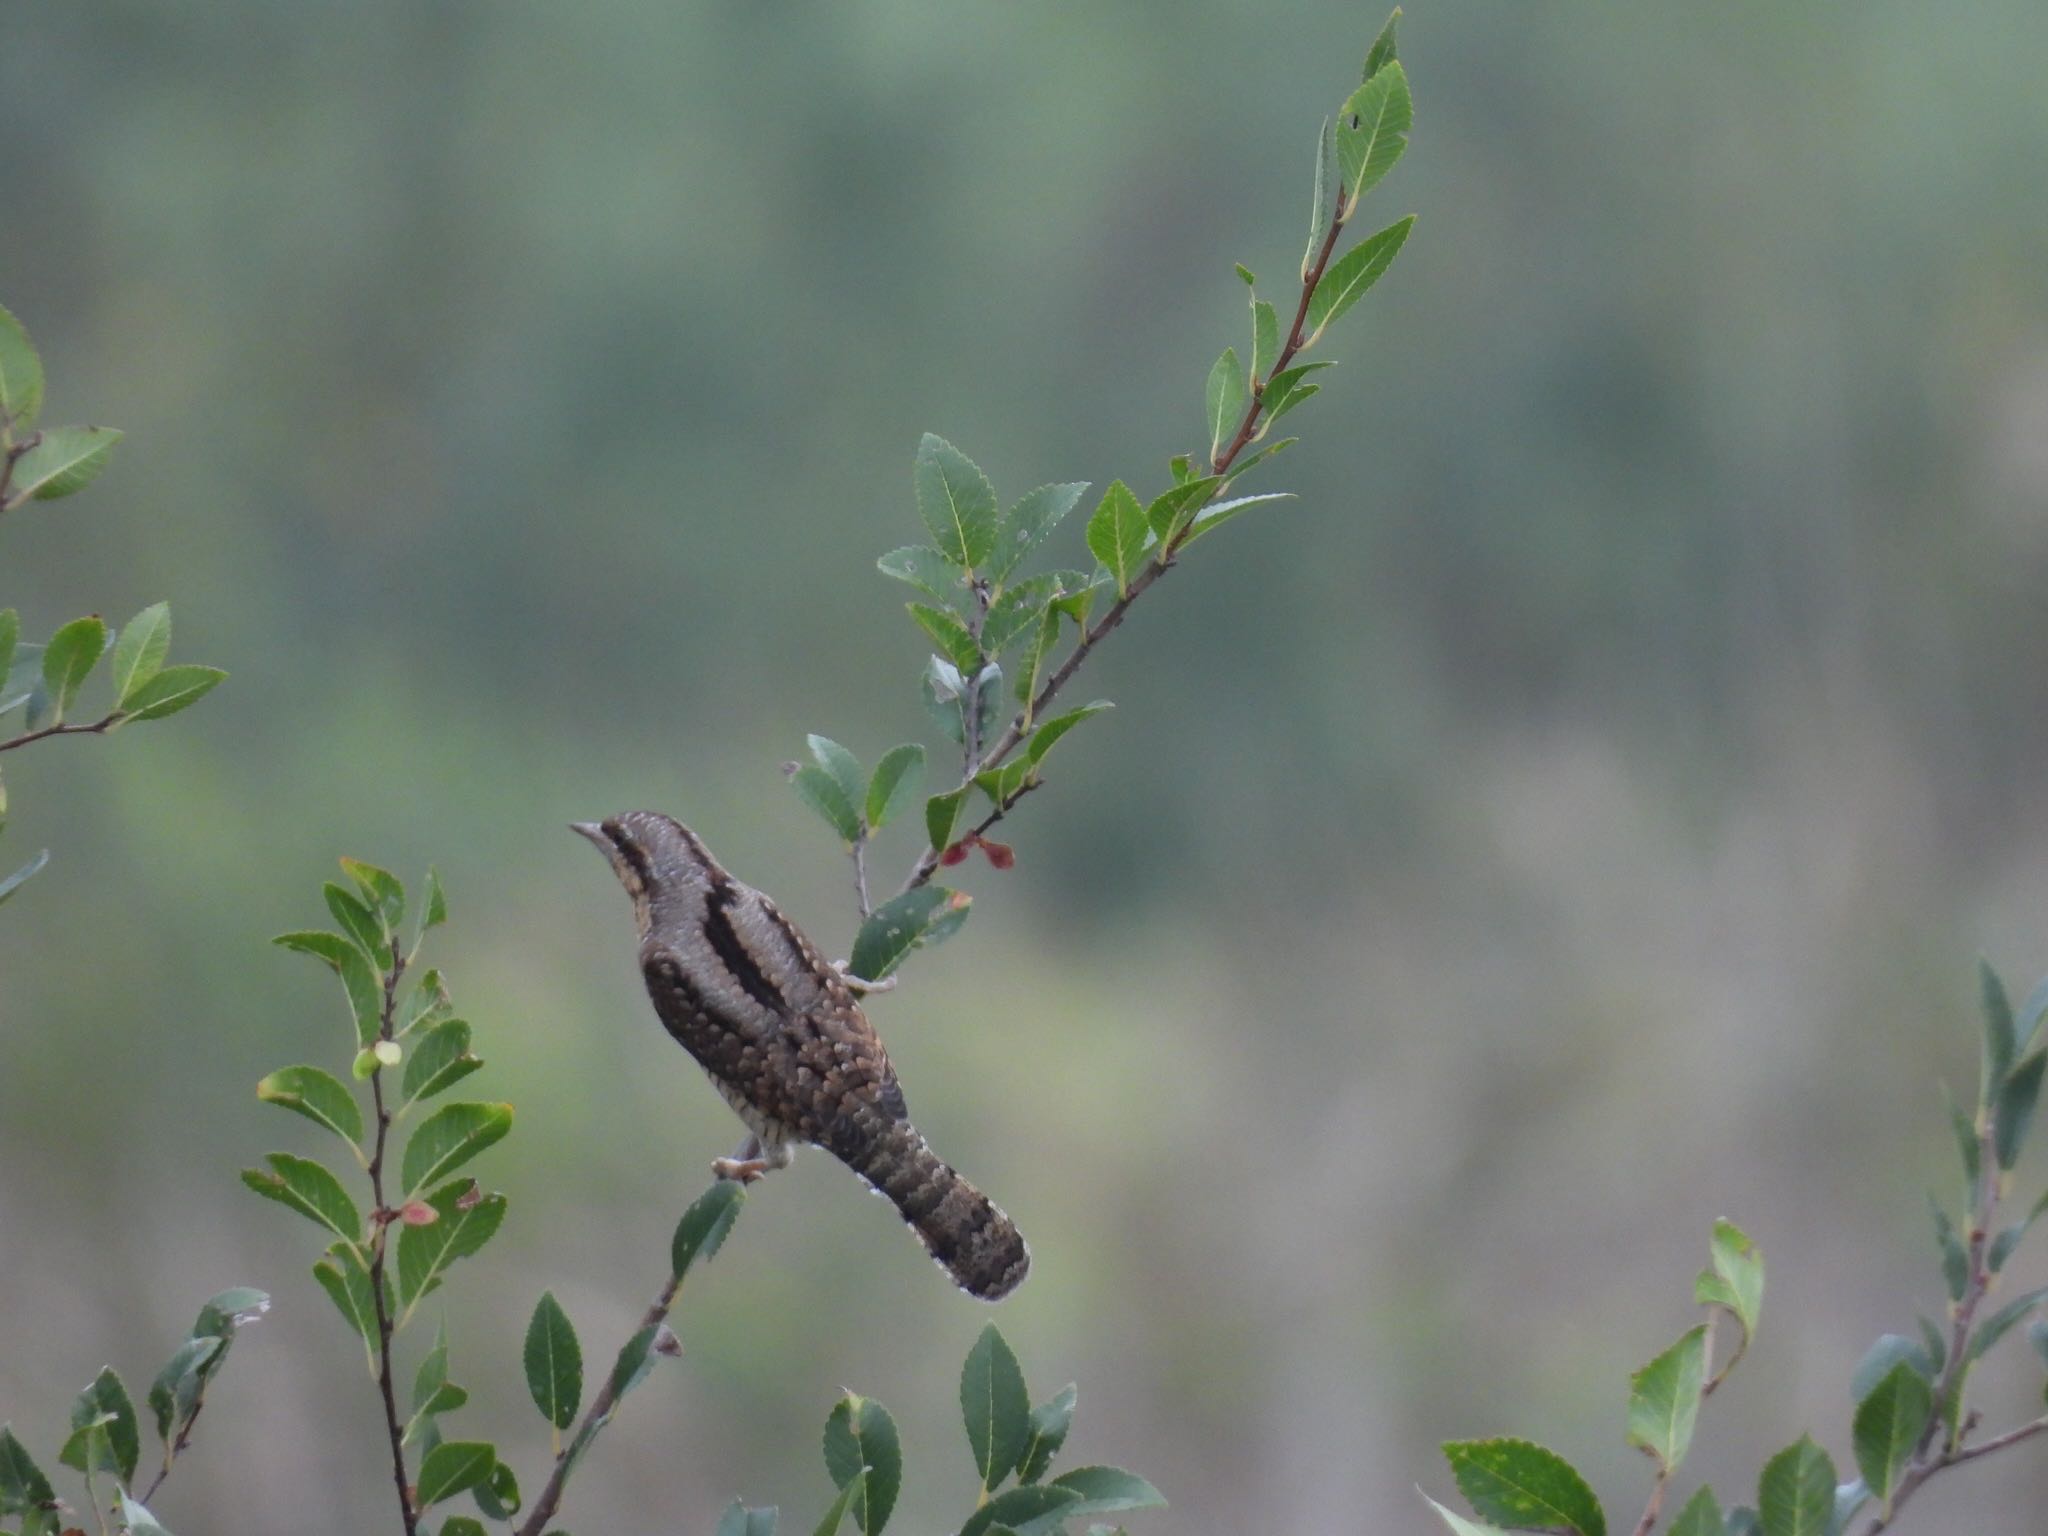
x=471, y=1197
x=1000, y=855
x=417, y=1213
x=666, y=1342
x=954, y=855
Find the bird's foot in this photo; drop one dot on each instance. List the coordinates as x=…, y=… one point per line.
x=860, y=986
x=742, y=1170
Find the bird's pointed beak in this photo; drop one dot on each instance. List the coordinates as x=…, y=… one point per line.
x=594, y=832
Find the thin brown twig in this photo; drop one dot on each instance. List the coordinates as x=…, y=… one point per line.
x=380, y=1221
x=97, y=728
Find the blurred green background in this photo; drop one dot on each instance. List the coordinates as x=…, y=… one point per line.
x=1573, y=819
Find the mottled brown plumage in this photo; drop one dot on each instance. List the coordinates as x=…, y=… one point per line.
x=784, y=1041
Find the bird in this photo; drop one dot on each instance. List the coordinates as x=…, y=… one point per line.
x=783, y=1039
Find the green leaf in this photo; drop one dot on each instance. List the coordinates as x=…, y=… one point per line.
x=23, y=875
x=902, y=924
x=435, y=912
x=1351, y=274
x=2000, y=1037
x=1955, y=1263
x=317, y=1095
x=454, y=1467
x=1519, y=1483
x=1888, y=1426
x=844, y=767
x=1017, y=611
x=1879, y=1360
x=1796, y=1494
x=1117, y=535
x=1043, y=640
x=308, y=1188
x=1460, y=1526
x=438, y=1060
x=1217, y=513
x=347, y=1284
x=705, y=1225
x=1372, y=131
x=1050, y=1421
x=995, y=1407
x=2026, y=1027
x=1003, y=785
x=171, y=690
x=69, y=659
x=1664, y=1400
x=2001, y=1322
x=430, y=1384
x=358, y=922
x=821, y=792
x=10, y=634
x=1048, y=734
x=635, y=1360
x=956, y=502
x=942, y=688
x=497, y=1495
x=175, y=1392
x=1106, y=1491
x=1170, y=510
x=450, y=1137
x=1026, y=524
x=1225, y=397
x=463, y=1525
x=1968, y=1148
x=949, y=634
x=836, y=1515
x=2017, y=1097
x=1739, y=1264
x=738, y=1520
x=1849, y=1497
x=106, y=1404
x=942, y=815
x=988, y=700
x=1700, y=1516
x=1323, y=211
x=861, y=1434
x=898, y=778
x=554, y=1363
x=365, y=991
x=459, y=1230
x=21, y=375
x=1382, y=51
x=139, y=653
x=1265, y=338
x=1033, y=1511
x=140, y=1521
x=67, y=459
x=927, y=570
x=23, y=1488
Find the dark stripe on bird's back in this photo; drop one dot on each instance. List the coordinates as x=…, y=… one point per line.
x=732, y=952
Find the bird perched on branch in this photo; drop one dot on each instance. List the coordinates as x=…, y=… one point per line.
x=782, y=1037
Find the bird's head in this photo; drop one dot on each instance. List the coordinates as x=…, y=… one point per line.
x=658, y=860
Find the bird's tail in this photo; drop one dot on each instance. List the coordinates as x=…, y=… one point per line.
x=972, y=1240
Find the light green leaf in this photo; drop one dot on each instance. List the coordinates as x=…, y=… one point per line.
x=988, y=700
x=67, y=459
x=317, y=1095
x=2016, y=1100
x=438, y=1060
x=1372, y=131
x=365, y=991
x=859, y=1435
x=450, y=1137
x=1217, y=513
x=995, y=1406
x=1035, y=1511
x=1106, y=1491
x=1796, y=1494
x=453, y=1467
x=1382, y=52
x=1700, y=1516
x=1026, y=524
x=949, y=634
x=941, y=816
x=116, y=1443
x=140, y=1521
x=2000, y=1033
x=1460, y=1526
x=1517, y=1482
x=21, y=374
x=1003, y=785
x=836, y=1515
x=139, y=653
x=821, y=792
x=1955, y=1262
x=900, y=925
x=435, y=912
x=1888, y=1426
x=1048, y=734
x=175, y=1392
x=1323, y=211
x=1265, y=338
x=842, y=765
x=1171, y=509
x=10, y=634
x=1739, y=1264
x=704, y=1226
x=554, y=1363
x=1117, y=535
x=1990, y=1330
x=956, y=502
x=1050, y=1421
x=464, y=1221
x=69, y=659
x=380, y=888
x=1352, y=274
x=927, y=570
x=1664, y=1400
x=358, y=922
x=894, y=788
x=308, y=1188
x=1017, y=611
x=942, y=688
x=171, y=690
x=738, y=1520
x=1225, y=396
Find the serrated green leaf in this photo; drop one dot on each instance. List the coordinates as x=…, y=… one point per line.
x=140, y=651
x=1517, y=1482
x=1323, y=210
x=842, y=765
x=171, y=690
x=859, y=1435
x=1796, y=1493
x=703, y=1228
x=453, y=1467
x=319, y=1096
x=1372, y=132
x=1017, y=611
x=821, y=792
x=950, y=635
x=1381, y=53
x=956, y=502
x=1171, y=509
x=1036, y=513
x=1225, y=397
x=21, y=374
x=1117, y=535
x=464, y=1222
x=1664, y=1400
x=1033, y=1511
x=68, y=459
x=1352, y=274
x=894, y=788
x=926, y=569
x=1740, y=1265
x=438, y=1060
x=941, y=816
x=554, y=1363
x=1217, y=513
x=1888, y=1425
x=1106, y=1491
x=68, y=660
x=995, y=1407
x=1700, y=1516
x=450, y=1137
x=902, y=924
x=308, y=1188
x=115, y=1444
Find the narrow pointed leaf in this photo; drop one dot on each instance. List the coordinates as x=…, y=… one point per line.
x=1352, y=274
x=171, y=690
x=317, y=1095
x=463, y=1224
x=308, y=1188
x=1517, y=1482
x=1381, y=53
x=2000, y=1032
x=1323, y=211
x=1664, y=1400
x=68, y=459
x=23, y=875
x=836, y=1515
x=1225, y=397
x=1048, y=734
x=705, y=1225
x=2016, y=1100
x=1459, y=1525
x=956, y=502
x=894, y=788
x=1888, y=1426
x=1796, y=1493
x=450, y=1137
x=1265, y=338
x=554, y=1363
x=21, y=375
x=453, y=1467
x=139, y=653
x=1117, y=535
x=995, y=1407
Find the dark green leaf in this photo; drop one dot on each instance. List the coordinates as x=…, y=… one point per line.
x=1027, y=523
x=1955, y=1262
x=2001, y=1322
x=1171, y=509
x=1351, y=274
x=317, y=1095
x=995, y=1407
x=899, y=926
x=1324, y=209
x=23, y=1488
x=498, y=1494
x=988, y=700
x=1225, y=396
x=347, y=1284
x=949, y=634
x=554, y=1363
x=705, y=1225
x=1878, y=1362
x=1018, y=611
x=1043, y=639
x=927, y=570
x=21, y=375
x=453, y=1467
x=738, y=1520
x=941, y=815
x=365, y=991
x=1050, y=1421
x=1003, y=785
x=462, y=1525
x=1516, y=1482
x=1372, y=132
x=898, y=778
x=1700, y=1516
x=176, y=1389
x=69, y=659
x=1796, y=1494
x=380, y=889
x=836, y=1515
x=1743, y=1521
x=450, y=1137
x=1106, y=1491
x=171, y=690
x=842, y=765
x=2000, y=1036
x=2026, y=1027
x=1382, y=51
x=821, y=792
x=308, y=1188
x=68, y=459
x=956, y=502
x=358, y=922
x=1664, y=1400
x=106, y=1403
x=440, y=1059
x=1117, y=535
x=1968, y=1147
x=1265, y=338
x=2016, y=1099
x=861, y=1434
x=139, y=653
x=1048, y=734
x=10, y=635
x=464, y=1222
x=1888, y=1426
x=635, y=1360
x=1029, y=1511
x=435, y=912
